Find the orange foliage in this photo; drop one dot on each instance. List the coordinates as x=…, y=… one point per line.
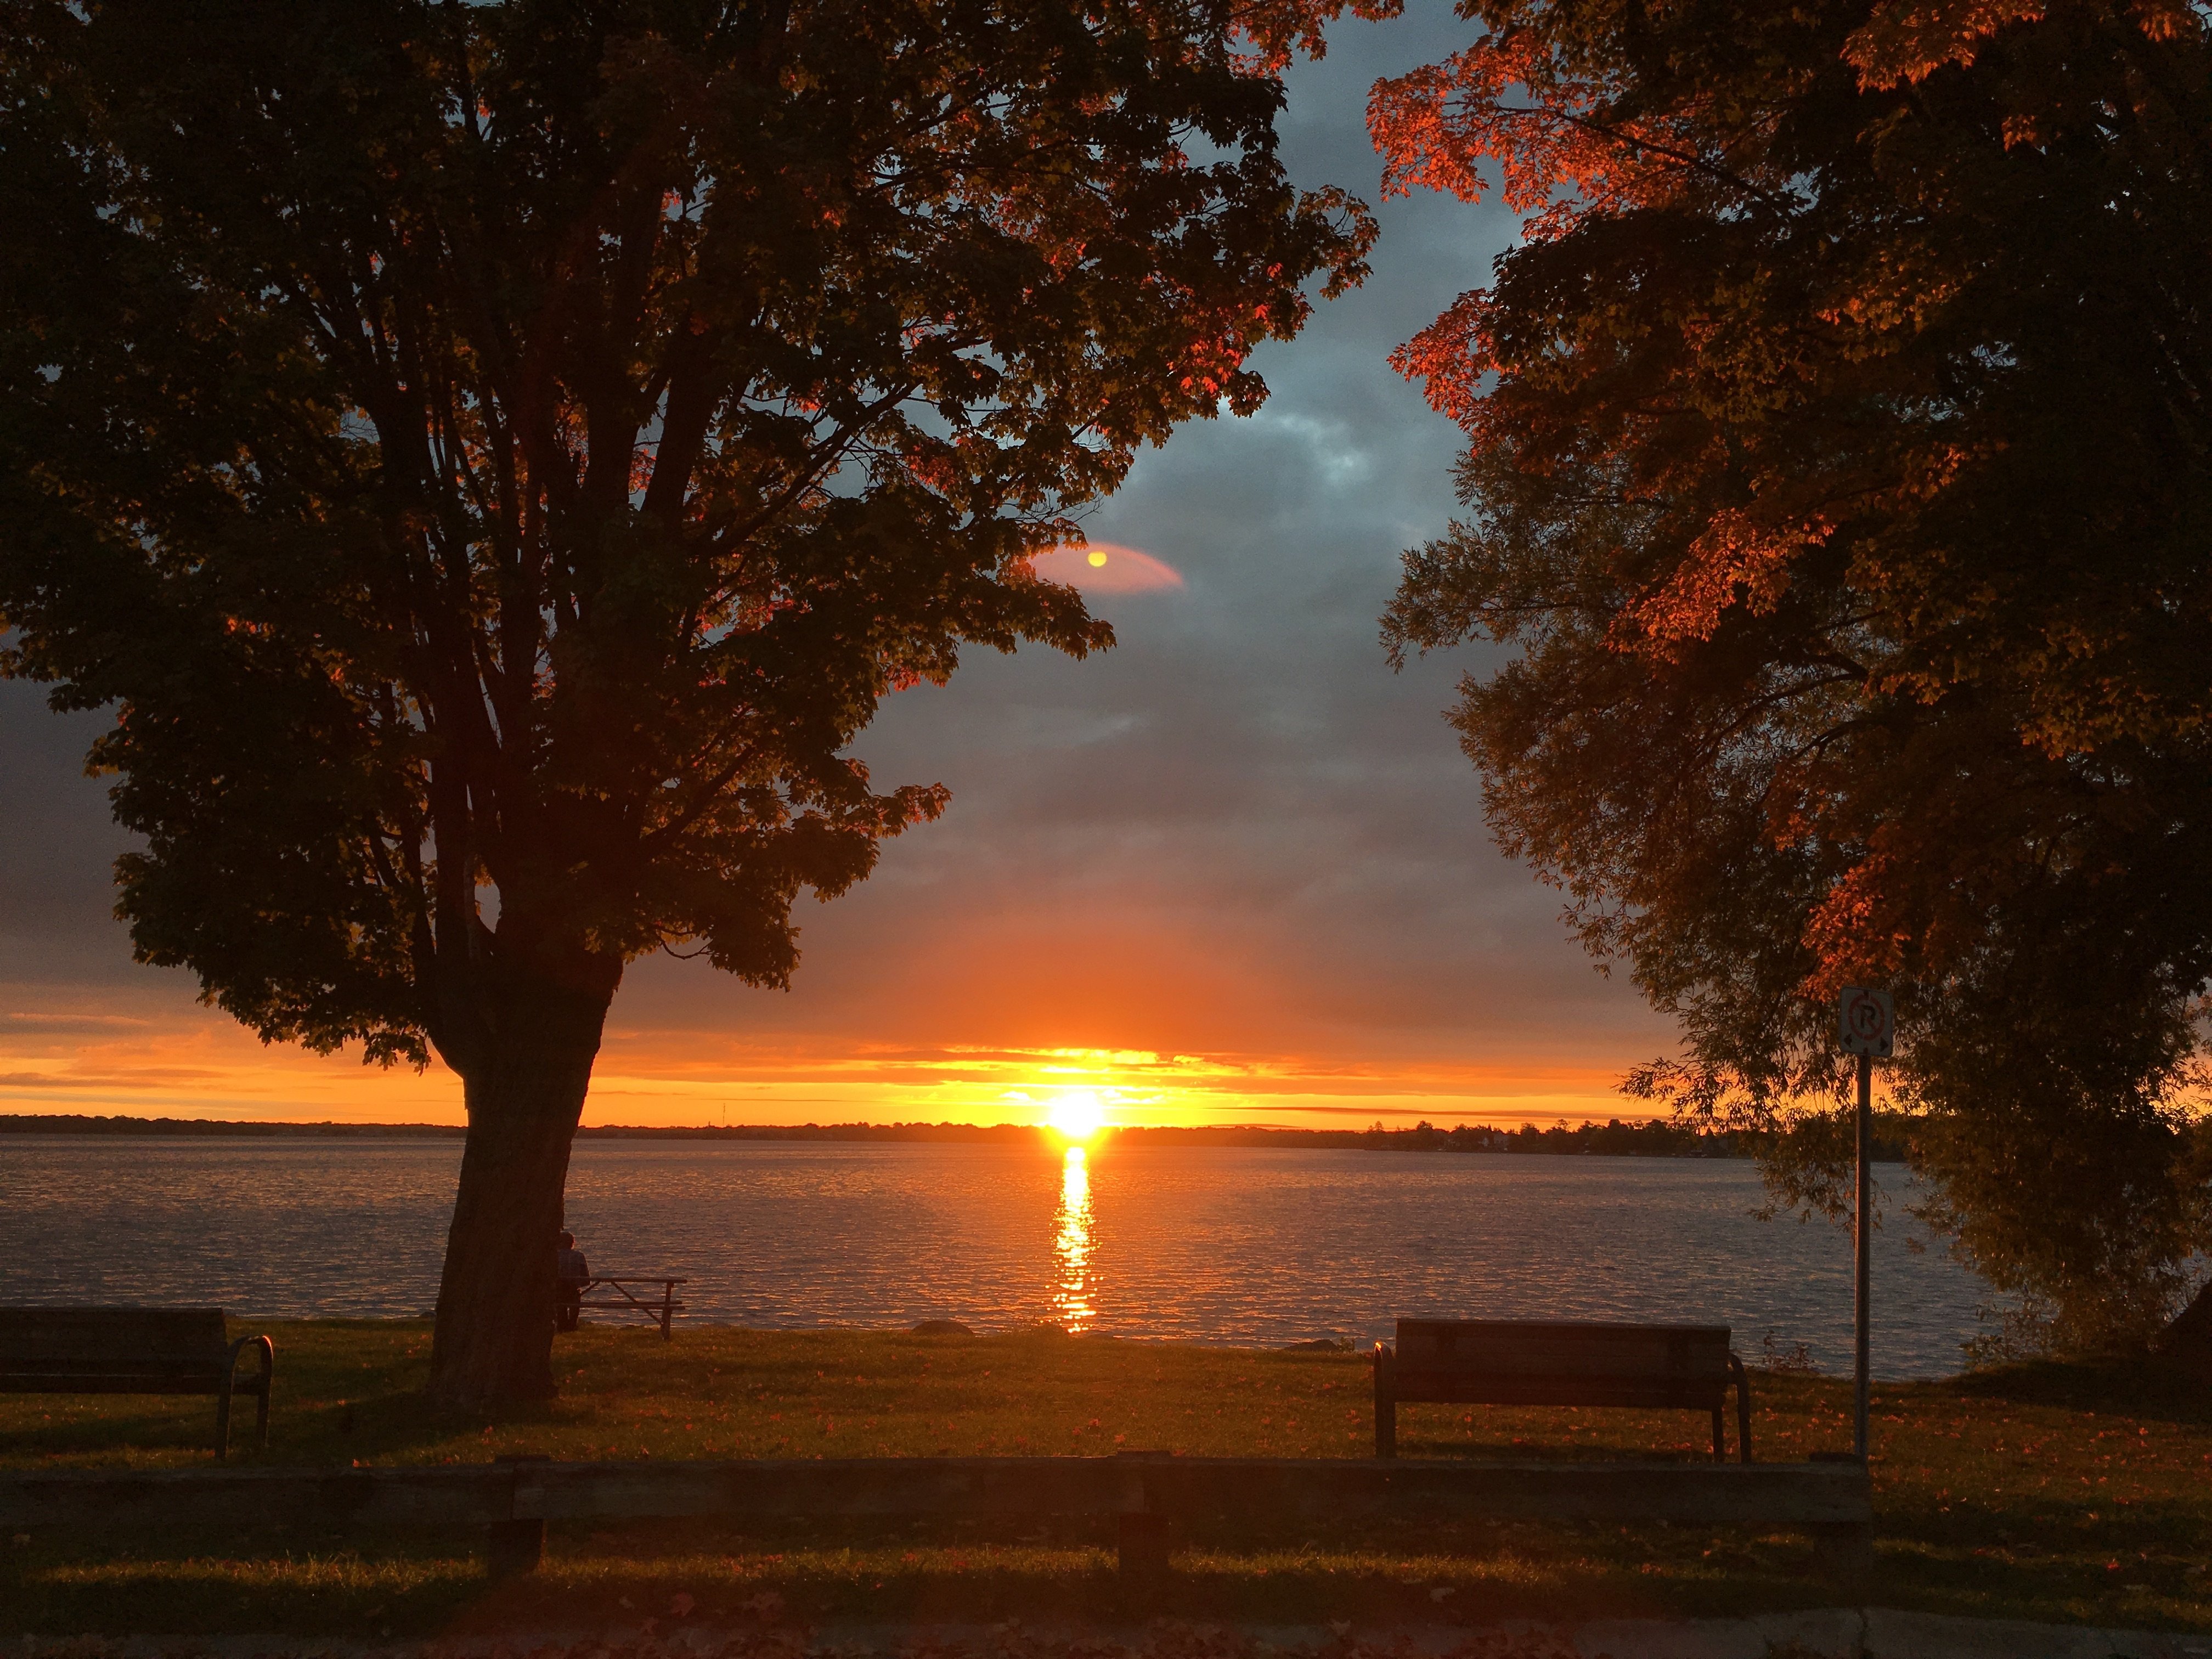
x=1737, y=558
x=1278, y=30
x=1512, y=103
x=1778, y=422
x=1905, y=42
x=1548, y=112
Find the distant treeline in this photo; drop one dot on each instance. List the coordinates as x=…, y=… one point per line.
x=60, y=1124
x=1658, y=1138
x=1655, y=1138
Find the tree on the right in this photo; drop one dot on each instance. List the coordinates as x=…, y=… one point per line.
x=1839, y=486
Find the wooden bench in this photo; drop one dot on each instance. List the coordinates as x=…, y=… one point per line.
x=1490, y=1362
x=134, y=1351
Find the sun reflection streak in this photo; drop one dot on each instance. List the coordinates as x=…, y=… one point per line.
x=1071, y=1296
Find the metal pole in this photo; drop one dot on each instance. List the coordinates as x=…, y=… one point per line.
x=1863, y=1239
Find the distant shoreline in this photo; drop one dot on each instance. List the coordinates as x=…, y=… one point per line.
x=1658, y=1138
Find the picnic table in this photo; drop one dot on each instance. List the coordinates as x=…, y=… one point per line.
x=622, y=1299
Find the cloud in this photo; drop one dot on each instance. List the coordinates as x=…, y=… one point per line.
x=1106, y=567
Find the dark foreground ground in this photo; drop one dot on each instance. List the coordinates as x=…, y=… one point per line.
x=2067, y=1494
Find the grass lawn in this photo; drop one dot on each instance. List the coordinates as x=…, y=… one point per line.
x=2061, y=1493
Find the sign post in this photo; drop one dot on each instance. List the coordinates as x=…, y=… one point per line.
x=1866, y=1025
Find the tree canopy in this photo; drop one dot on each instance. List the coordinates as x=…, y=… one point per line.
x=494, y=459
x=1840, y=463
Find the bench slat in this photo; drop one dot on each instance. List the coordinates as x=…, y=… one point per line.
x=1444, y=1388
x=142, y=1382
x=111, y=1338
x=1505, y=1348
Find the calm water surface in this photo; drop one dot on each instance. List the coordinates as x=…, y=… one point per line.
x=1198, y=1244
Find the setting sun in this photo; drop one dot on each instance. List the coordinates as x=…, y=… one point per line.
x=1077, y=1114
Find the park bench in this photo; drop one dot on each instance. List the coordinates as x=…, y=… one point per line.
x=134, y=1351
x=1490, y=1362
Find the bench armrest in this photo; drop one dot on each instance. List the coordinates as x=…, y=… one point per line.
x=267, y=1358
x=260, y=1388
x=1742, y=1407
x=1386, y=1401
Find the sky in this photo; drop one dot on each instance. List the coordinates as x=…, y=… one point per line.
x=1233, y=871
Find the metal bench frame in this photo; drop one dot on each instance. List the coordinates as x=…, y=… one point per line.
x=1678, y=1386
x=176, y=1371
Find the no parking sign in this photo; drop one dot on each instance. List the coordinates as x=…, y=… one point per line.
x=1866, y=1022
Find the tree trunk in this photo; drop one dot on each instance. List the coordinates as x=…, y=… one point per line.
x=525, y=1091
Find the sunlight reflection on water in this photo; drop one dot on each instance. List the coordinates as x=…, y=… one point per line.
x=1072, y=1248
x=1258, y=1246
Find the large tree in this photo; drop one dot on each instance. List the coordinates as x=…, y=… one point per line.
x=492, y=459
x=1840, y=462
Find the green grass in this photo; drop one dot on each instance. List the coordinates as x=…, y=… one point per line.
x=2071, y=1494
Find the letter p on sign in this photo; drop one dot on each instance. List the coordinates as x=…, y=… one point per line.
x=1866, y=1022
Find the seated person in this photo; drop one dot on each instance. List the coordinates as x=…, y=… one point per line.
x=571, y=1272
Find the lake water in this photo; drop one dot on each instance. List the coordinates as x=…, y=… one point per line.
x=1257, y=1247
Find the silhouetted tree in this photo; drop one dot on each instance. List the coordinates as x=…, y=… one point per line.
x=494, y=457
x=1840, y=464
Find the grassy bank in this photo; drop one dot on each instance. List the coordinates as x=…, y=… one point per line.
x=2059, y=1493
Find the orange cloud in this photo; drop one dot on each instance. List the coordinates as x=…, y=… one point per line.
x=162, y=1055
x=1106, y=567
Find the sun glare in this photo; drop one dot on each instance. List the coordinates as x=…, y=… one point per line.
x=1071, y=1296
x=1098, y=559
x=1077, y=1114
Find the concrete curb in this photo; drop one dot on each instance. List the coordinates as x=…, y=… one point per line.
x=1818, y=1633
